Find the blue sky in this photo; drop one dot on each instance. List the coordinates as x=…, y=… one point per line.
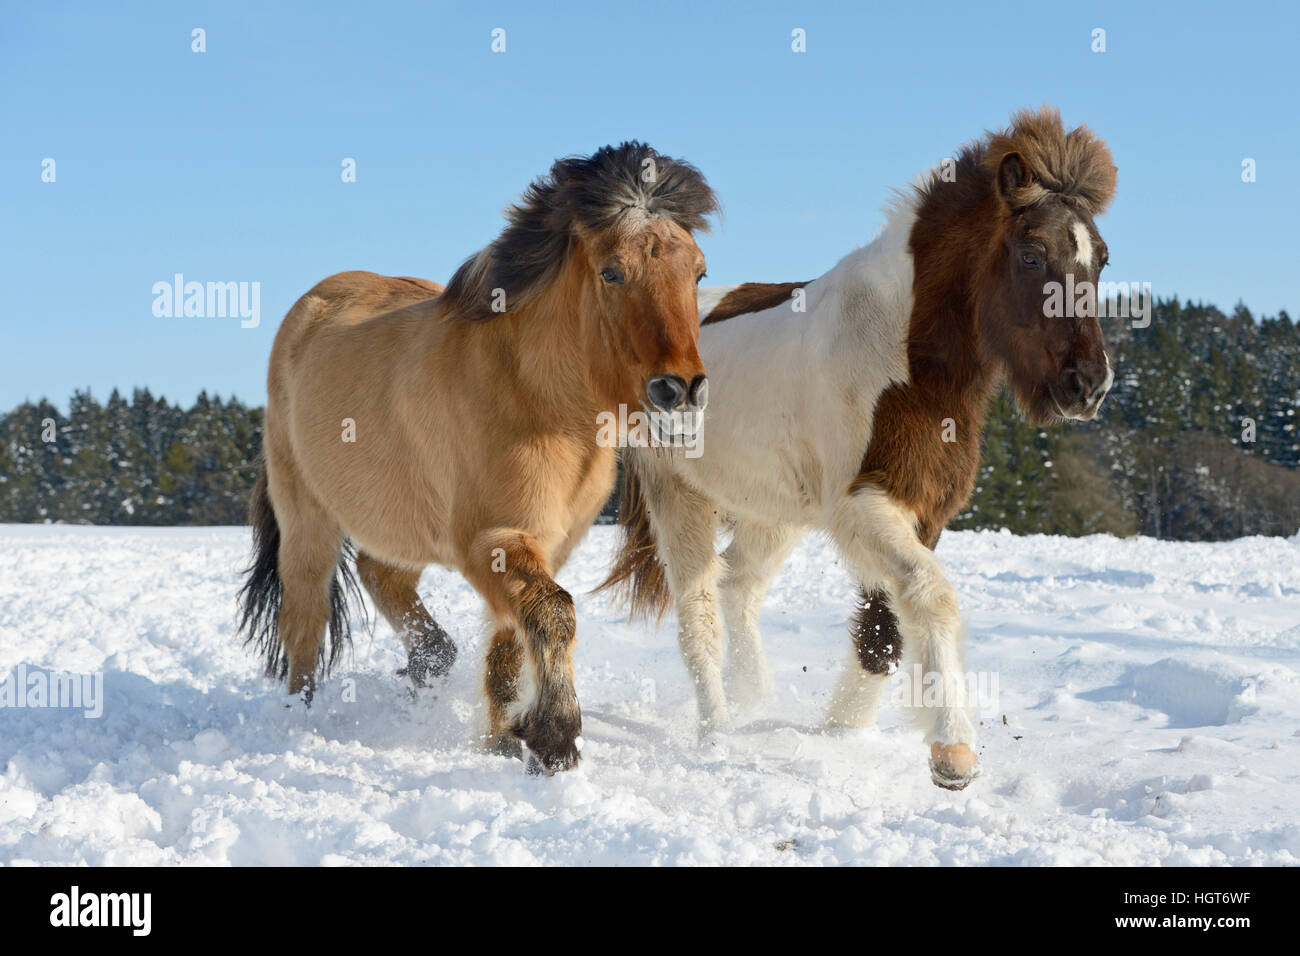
x=225, y=165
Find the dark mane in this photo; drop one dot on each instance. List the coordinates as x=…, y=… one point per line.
x=595, y=193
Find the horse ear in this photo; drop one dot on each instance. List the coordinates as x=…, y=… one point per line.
x=1013, y=176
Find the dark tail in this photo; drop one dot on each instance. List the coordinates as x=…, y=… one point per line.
x=262, y=593
x=638, y=574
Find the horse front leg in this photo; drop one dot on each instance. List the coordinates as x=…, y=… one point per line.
x=685, y=525
x=752, y=559
x=531, y=697
x=878, y=537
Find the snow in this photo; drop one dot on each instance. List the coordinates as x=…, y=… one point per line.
x=1150, y=694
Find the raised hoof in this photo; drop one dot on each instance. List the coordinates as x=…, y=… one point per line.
x=554, y=743
x=953, y=767
x=428, y=662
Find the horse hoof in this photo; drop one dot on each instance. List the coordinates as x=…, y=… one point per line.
x=429, y=662
x=504, y=746
x=553, y=761
x=554, y=743
x=954, y=766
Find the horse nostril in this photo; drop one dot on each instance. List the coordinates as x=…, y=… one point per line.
x=700, y=392
x=1075, y=387
x=665, y=391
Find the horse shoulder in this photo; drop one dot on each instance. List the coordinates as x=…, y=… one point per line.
x=923, y=454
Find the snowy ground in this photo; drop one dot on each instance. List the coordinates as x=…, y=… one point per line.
x=1150, y=694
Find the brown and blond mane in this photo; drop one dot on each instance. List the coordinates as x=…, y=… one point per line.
x=460, y=429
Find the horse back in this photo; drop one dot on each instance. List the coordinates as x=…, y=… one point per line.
x=350, y=298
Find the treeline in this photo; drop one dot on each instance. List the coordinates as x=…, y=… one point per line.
x=142, y=462
x=1197, y=441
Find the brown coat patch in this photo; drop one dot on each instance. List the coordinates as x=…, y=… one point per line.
x=751, y=297
x=946, y=397
x=910, y=461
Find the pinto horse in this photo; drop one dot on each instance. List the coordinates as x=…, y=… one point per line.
x=854, y=404
x=414, y=425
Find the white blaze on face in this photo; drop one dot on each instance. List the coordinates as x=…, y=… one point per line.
x=1082, y=245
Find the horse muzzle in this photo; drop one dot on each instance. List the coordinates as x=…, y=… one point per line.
x=1082, y=389
x=676, y=408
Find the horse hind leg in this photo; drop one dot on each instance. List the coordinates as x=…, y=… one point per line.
x=298, y=587
x=502, y=673
x=314, y=602
x=430, y=650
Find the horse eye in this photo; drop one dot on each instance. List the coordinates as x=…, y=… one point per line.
x=1030, y=259
x=612, y=276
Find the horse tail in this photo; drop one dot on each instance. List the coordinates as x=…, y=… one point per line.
x=638, y=574
x=345, y=592
x=263, y=591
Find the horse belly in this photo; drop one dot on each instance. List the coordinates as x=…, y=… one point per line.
x=413, y=538
x=373, y=490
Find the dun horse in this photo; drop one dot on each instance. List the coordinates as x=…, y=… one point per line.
x=418, y=425
x=854, y=403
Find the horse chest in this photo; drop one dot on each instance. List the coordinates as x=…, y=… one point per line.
x=578, y=490
x=593, y=486
x=772, y=477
